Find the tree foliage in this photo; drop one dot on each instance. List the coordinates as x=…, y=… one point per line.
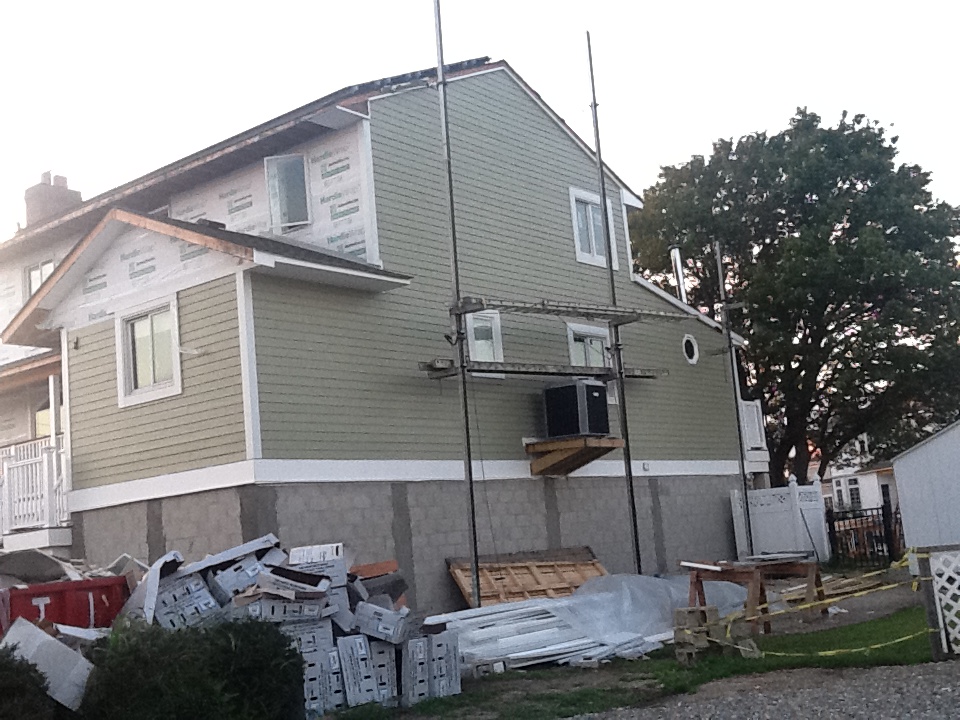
x=848, y=274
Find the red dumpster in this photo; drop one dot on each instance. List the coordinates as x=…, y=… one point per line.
x=82, y=603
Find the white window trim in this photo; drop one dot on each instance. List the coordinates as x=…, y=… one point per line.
x=494, y=317
x=290, y=227
x=126, y=397
x=696, y=349
x=597, y=331
x=590, y=197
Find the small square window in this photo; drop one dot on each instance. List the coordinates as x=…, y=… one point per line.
x=148, y=355
x=37, y=274
x=287, y=188
x=589, y=240
x=589, y=347
x=484, y=341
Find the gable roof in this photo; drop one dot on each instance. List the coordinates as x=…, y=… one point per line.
x=332, y=111
x=271, y=254
x=153, y=190
x=320, y=116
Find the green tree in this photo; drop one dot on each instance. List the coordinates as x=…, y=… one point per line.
x=847, y=271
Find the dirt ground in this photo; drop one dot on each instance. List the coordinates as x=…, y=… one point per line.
x=852, y=610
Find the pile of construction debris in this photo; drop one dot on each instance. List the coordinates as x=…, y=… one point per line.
x=355, y=635
x=625, y=616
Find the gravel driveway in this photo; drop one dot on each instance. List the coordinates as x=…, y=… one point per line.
x=918, y=691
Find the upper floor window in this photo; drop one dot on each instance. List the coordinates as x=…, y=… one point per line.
x=37, y=274
x=591, y=245
x=287, y=188
x=148, y=355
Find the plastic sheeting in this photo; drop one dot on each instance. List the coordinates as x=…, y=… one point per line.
x=620, y=610
x=611, y=616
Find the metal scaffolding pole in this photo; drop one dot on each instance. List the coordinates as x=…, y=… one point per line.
x=615, y=328
x=735, y=380
x=459, y=324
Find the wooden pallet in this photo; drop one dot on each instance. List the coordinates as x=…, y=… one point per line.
x=502, y=582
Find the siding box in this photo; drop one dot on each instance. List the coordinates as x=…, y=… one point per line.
x=335, y=569
x=310, y=636
x=340, y=600
x=184, y=602
x=381, y=623
x=235, y=579
x=415, y=671
x=281, y=611
x=444, y=664
x=383, y=656
x=358, y=682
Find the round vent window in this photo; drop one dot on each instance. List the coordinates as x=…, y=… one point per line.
x=691, y=351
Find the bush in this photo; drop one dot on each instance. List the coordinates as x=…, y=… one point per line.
x=23, y=690
x=240, y=671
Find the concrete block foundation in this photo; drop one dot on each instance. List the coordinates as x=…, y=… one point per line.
x=420, y=524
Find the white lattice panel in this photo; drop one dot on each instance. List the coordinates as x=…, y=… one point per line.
x=945, y=569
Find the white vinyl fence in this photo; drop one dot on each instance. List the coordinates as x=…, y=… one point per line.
x=787, y=519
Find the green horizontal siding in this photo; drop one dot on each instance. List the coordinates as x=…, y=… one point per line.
x=337, y=371
x=202, y=426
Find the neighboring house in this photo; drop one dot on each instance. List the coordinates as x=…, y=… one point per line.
x=240, y=334
x=872, y=487
x=928, y=475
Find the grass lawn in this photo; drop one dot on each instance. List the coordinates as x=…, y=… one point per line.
x=556, y=692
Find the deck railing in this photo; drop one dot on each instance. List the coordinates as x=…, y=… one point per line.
x=33, y=487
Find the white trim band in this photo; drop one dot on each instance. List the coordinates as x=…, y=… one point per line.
x=275, y=472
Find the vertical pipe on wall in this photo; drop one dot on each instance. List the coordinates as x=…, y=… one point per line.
x=615, y=328
x=677, y=262
x=458, y=317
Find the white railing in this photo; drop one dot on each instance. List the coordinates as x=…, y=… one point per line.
x=33, y=487
x=754, y=433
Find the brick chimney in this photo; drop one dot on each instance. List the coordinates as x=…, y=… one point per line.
x=49, y=199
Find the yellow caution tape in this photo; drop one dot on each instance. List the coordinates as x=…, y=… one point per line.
x=914, y=583
x=820, y=653
x=847, y=651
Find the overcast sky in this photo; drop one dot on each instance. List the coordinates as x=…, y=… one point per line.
x=104, y=92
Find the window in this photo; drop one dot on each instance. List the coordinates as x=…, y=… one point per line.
x=148, y=355
x=839, y=498
x=588, y=346
x=855, y=498
x=691, y=350
x=37, y=274
x=287, y=189
x=591, y=245
x=484, y=341
x=588, y=349
x=839, y=484
x=853, y=482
